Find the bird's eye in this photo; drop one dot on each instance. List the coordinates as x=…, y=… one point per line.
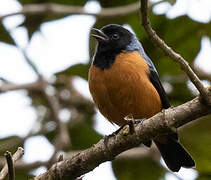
x=115, y=36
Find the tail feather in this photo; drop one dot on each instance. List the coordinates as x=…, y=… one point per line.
x=174, y=154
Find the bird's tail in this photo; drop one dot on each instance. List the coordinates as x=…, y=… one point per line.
x=174, y=154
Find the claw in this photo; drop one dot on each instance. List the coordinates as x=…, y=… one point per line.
x=106, y=137
x=137, y=121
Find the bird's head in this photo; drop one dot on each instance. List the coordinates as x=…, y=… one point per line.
x=112, y=37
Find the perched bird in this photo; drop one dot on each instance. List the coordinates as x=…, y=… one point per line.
x=123, y=81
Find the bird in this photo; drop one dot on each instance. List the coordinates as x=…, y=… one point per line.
x=123, y=81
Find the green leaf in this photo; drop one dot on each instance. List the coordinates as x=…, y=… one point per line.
x=5, y=36
x=204, y=176
x=106, y=3
x=182, y=34
x=10, y=144
x=86, y=138
x=22, y=174
x=196, y=138
x=32, y=23
x=80, y=70
x=141, y=168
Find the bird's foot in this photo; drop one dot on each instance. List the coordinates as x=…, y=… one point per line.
x=130, y=121
x=139, y=121
x=106, y=137
x=130, y=118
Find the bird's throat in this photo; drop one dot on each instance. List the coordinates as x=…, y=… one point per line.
x=105, y=59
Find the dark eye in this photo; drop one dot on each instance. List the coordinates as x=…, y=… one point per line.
x=115, y=36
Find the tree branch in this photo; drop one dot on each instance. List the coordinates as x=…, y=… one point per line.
x=10, y=165
x=130, y=154
x=87, y=160
x=63, y=10
x=202, y=74
x=173, y=55
x=15, y=157
x=5, y=87
x=82, y=162
x=63, y=139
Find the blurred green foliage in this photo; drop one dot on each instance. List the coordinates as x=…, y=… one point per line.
x=80, y=70
x=138, y=169
x=33, y=22
x=5, y=36
x=183, y=34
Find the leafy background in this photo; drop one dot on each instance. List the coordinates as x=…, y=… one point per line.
x=182, y=33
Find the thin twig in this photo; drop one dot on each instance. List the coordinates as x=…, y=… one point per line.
x=5, y=87
x=15, y=157
x=10, y=165
x=4, y=80
x=169, y=52
x=63, y=10
x=20, y=165
x=60, y=158
x=63, y=139
x=202, y=74
x=63, y=136
x=31, y=63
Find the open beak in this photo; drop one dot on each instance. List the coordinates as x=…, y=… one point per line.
x=100, y=35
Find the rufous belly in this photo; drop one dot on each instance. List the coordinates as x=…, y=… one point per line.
x=124, y=89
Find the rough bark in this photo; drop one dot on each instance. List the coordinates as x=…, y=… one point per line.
x=87, y=160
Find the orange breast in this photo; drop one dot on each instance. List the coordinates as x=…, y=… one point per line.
x=124, y=89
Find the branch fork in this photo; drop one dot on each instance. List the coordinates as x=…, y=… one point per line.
x=173, y=55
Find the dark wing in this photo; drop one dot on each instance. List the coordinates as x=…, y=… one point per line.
x=157, y=84
x=136, y=45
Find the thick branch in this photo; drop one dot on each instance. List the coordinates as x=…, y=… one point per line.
x=169, y=52
x=87, y=160
x=134, y=153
